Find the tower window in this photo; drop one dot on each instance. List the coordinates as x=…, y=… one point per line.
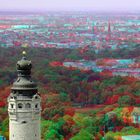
x=36, y=97
x=20, y=105
x=36, y=106
x=23, y=122
x=28, y=105
x=12, y=105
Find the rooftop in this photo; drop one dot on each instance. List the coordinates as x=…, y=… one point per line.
x=133, y=137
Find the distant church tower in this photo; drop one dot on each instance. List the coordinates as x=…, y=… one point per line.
x=24, y=105
x=109, y=30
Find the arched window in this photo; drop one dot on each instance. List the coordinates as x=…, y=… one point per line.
x=28, y=105
x=20, y=105
x=36, y=105
x=36, y=97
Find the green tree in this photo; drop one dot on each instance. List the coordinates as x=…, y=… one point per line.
x=126, y=101
x=109, y=136
x=83, y=135
x=64, y=97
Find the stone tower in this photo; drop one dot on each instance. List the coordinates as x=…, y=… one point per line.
x=24, y=105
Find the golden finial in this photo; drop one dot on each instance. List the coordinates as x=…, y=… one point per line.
x=24, y=53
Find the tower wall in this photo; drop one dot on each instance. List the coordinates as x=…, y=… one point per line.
x=25, y=131
x=24, y=117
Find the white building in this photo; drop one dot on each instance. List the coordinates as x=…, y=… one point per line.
x=24, y=105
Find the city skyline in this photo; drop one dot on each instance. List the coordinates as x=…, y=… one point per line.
x=78, y=5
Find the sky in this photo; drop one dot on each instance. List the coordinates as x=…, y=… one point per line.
x=80, y=5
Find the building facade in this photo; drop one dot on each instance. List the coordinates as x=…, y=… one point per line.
x=24, y=107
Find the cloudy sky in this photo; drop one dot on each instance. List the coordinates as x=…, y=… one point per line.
x=44, y=5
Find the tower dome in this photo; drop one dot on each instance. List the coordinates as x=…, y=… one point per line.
x=24, y=66
x=24, y=84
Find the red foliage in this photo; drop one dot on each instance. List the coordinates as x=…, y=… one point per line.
x=112, y=100
x=56, y=117
x=137, y=101
x=70, y=111
x=130, y=109
x=129, y=80
x=102, y=132
x=2, y=104
x=4, y=93
x=56, y=64
x=118, y=128
x=106, y=73
x=68, y=136
x=44, y=97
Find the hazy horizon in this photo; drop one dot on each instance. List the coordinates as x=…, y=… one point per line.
x=70, y=5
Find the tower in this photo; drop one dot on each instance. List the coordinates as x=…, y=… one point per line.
x=109, y=30
x=24, y=105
